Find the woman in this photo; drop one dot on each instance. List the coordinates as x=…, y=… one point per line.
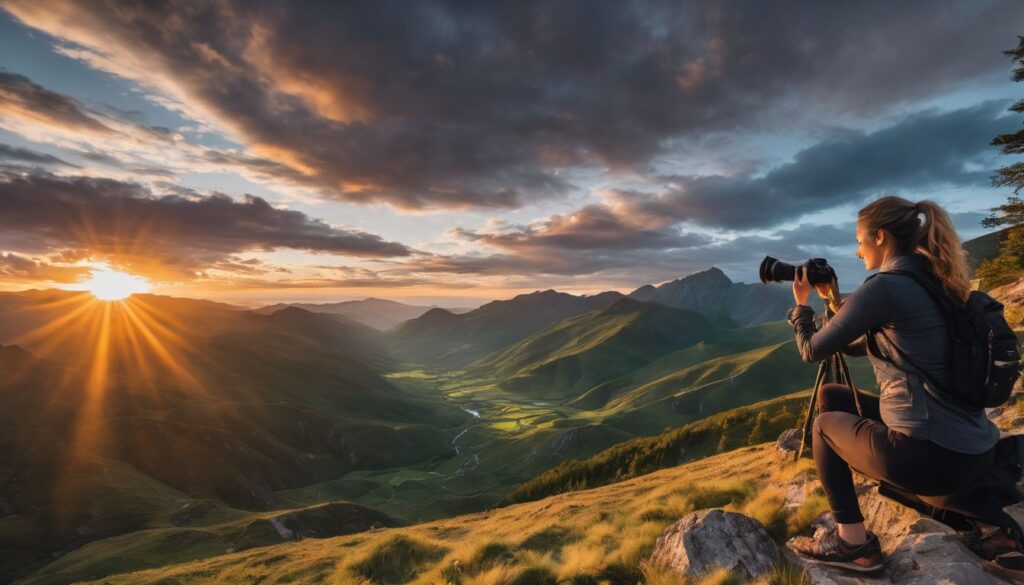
x=909, y=436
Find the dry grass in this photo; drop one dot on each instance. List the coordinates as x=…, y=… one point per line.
x=799, y=522
x=590, y=536
x=767, y=508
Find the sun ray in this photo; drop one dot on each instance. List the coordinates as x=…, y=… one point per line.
x=158, y=347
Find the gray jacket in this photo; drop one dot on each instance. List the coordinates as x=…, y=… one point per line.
x=911, y=319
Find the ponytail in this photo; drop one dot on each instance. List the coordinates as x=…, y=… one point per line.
x=935, y=239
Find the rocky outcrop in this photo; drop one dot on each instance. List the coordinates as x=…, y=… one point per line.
x=918, y=550
x=707, y=539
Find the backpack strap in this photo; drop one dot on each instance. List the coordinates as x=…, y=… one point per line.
x=945, y=305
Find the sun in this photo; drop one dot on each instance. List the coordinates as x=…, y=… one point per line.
x=111, y=285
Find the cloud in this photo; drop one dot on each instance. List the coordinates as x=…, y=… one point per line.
x=923, y=151
x=14, y=267
x=19, y=97
x=162, y=235
x=444, y=104
x=11, y=153
x=590, y=228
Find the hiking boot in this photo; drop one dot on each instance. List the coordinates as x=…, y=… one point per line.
x=995, y=544
x=831, y=550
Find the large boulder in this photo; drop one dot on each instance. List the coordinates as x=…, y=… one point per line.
x=704, y=540
x=918, y=550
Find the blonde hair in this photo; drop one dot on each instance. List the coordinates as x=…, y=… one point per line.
x=935, y=239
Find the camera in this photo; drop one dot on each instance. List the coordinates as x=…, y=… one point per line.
x=818, y=271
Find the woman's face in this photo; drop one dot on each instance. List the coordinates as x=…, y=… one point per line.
x=870, y=247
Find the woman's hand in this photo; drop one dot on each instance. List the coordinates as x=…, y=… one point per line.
x=802, y=287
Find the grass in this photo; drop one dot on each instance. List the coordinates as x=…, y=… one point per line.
x=600, y=535
x=397, y=559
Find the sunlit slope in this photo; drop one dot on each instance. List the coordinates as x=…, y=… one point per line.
x=733, y=342
x=724, y=431
x=235, y=416
x=612, y=526
x=202, y=529
x=199, y=398
x=519, y=437
x=718, y=385
x=577, y=353
x=440, y=339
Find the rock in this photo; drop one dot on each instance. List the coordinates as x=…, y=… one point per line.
x=788, y=443
x=917, y=550
x=704, y=540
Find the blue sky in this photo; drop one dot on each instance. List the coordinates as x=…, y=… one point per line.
x=442, y=153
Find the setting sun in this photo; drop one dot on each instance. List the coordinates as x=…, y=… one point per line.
x=111, y=285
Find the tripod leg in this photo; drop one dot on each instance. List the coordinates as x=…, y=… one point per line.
x=812, y=407
x=849, y=382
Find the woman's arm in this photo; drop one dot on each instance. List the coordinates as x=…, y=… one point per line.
x=858, y=348
x=865, y=309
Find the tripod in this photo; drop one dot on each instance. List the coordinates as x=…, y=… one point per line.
x=832, y=369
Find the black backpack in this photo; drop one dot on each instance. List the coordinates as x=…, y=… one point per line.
x=983, y=350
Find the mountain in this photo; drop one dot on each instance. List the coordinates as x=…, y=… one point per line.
x=441, y=339
x=983, y=248
x=571, y=356
x=381, y=314
x=111, y=413
x=712, y=293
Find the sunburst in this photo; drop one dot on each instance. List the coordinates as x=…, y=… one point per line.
x=111, y=285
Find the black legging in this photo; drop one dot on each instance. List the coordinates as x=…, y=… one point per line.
x=842, y=440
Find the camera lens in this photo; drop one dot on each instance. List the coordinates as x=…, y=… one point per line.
x=773, y=270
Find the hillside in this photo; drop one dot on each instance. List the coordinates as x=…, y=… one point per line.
x=982, y=248
x=718, y=433
x=440, y=339
x=573, y=355
x=598, y=533
x=380, y=314
x=127, y=409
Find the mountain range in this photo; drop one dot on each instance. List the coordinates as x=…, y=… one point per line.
x=163, y=424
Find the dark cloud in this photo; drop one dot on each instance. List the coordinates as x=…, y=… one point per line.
x=12, y=153
x=593, y=227
x=20, y=97
x=129, y=167
x=926, y=150
x=740, y=256
x=160, y=234
x=458, y=104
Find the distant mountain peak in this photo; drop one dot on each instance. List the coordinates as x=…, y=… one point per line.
x=712, y=276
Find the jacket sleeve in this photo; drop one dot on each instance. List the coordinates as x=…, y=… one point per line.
x=858, y=348
x=865, y=309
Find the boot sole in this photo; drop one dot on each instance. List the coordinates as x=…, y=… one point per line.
x=846, y=565
x=1012, y=560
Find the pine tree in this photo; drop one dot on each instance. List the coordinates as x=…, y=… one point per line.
x=1010, y=261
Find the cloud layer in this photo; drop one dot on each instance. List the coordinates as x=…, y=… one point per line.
x=443, y=104
x=161, y=235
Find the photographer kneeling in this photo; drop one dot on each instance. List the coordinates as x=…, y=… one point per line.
x=910, y=436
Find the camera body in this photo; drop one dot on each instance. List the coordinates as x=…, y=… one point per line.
x=818, y=271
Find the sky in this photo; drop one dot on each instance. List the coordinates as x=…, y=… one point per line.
x=451, y=153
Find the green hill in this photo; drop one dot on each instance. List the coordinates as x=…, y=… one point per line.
x=439, y=339
x=585, y=350
x=132, y=408
x=724, y=431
